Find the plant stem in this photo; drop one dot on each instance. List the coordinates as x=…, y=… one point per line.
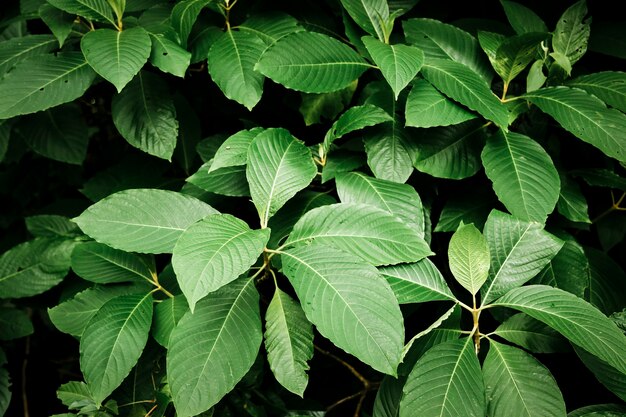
x=615, y=206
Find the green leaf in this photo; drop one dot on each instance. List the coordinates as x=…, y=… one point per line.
x=571, y=34
x=531, y=334
x=231, y=64
x=468, y=256
x=33, y=267
x=327, y=65
x=167, y=314
x=522, y=19
x=608, y=376
x=585, y=117
x=452, y=151
x=608, y=86
x=145, y=115
x=387, y=402
x=72, y=316
x=118, y=7
x=184, y=15
x=5, y=136
x=51, y=225
x=74, y=392
x=234, y=150
x=427, y=107
x=113, y=341
x=5, y=390
x=601, y=178
x=59, y=133
x=607, y=282
x=400, y=200
x=490, y=42
x=398, y=63
x=213, y=348
x=16, y=50
x=371, y=15
x=279, y=166
x=519, y=250
x=390, y=152
x=574, y=318
x=466, y=207
x=523, y=175
x=213, y=252
x=599, y=410
x=341, y=161
x=355, y=118
x=445, y=382
x=572, y=203
x=366, y=231
x=271, y=26
x=117, y=55
x=331, y=283
x=443, y=41
x=154, y=224
x=315, y=107
x=14, y=324
x=168, y=56
x=42, y=82
x=569, y=270
x=98, y=10
x=519, y=385
x=515, y=53
x=417, y=282
x=288, y=342
x=446, y=319
x=536, y=78
x=229, y=181
x=465, y=86
x=101, y=264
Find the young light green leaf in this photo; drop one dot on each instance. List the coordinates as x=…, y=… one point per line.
x=213, y=252
x=102, y=264
x=572, y=203
x=574, y=318
x=451, y=151
x=427, y=107
x=113, y=341
x=331, y=283
x=117, y=55
x=279, y=166
x=371, y=233
x=234, y=150
x=523, y=175
x=398, y=63
x=212, y=349
x=608, y=376
x=443, y=41
x=400, y=200
x=387, y=402
x=417, y=282
x=271, y=26
x=74, y=391
x=118, y=7
x=445, y=382
x=519, y=250
x=231, y=64
x=468, y=256
x=145, y=115
x=16, y=50
x=98, y=10
x=184, y=15
x=44, y=81
x=51, y=225
x=311, y=62
x=515, y=53
x=288, y=341
x=59, y=22
x=168, y=56
x=608, y=86
x=465, y=86
x=14, y=323
x=531, y=334
x=390, y=151
x=517, y=385
x=355, y=118
x=584, y=116
x=154, y=224
x=571, y=34
x=167, y=314
x=522, y=19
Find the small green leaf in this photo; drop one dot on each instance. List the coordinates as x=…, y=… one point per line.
x=608, y=86
x=167, y=314
x=234, y=150
x=355, y=118
x=14, y=324
x=117, y=55
x=51, y=225
x=531, y=334
x=168, y=56
x=536, y=78
x=601, y=178
x=515, y=53
x=74, y=392
x=315, y=107
x=271, y=26
x=98, y=10
x=371, y=15
x=214, y=252
x=572, y=203
x=468, y=256
x=387, y=402
x=417, y=282
x=59, y=22
x=427, y=107
x=230, y=181
x=571, y=34
x=390, y=152
x=118, y=7
x=16, y=50
x=184, y=15
x=467, y=207
x=569, y=270
x=522, y=19
x=101, y=264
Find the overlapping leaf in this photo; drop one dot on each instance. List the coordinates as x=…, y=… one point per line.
x=15, y=50
x=98, y=10
x=390, y=151
x=271, y=26
x=167, y=314
x=571, y=34
x=168, y=56
x=572, y=203
x=371, y=15
x=427, y=107
x=59, y=21
x=355, y=118
x=522, y=19
x=234, y=150
x=608, y=86
x=531, y=334
x=184, y=15
x=417, y=282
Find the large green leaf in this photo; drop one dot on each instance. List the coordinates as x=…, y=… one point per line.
x=417, y=282
x=279, y=166
x=44, y=81
x=571, y=34
x=288, y=342
x=145, y=115
x=468, y=256
x=451, y=151
x=398, y=63
x=465, y=86
x=98, y=10
x=608, y=376
x=113, y=341
x=519, y=251
x=443, y=41
x=355, y=118
x=574, y=318
x=271, y=26
x=445, y=382
x=234, y=150
x=231, y=64
x=427, y=107
x=311, y=62
x=213, y=348
x=400, y=200
x=584, y=116
x=371, y=233
x=531, y=334
x=168, y=56
x=117, y=55
x=142, y=220
x=371, y=15
x=213, y=252
x=331, y=283
x=167, y=314
x=14, y=323
x=523, y=175
x=184, y=15
x=517, y=385
x=522, y=19
x=18, y=49
x=608, y=86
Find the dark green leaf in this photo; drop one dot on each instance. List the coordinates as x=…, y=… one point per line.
x=167, y=314
x=371, y=15
x=572, y=32
x=271, y=26
x=98, y=10
x=184, y=15
x=531, y=334
x=355, y=118
x=51, y=225
x=522, y=19
x=572, y=203
x=16, y=50
x=14, y=324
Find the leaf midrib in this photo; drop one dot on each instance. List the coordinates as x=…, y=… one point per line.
x=510, y=373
